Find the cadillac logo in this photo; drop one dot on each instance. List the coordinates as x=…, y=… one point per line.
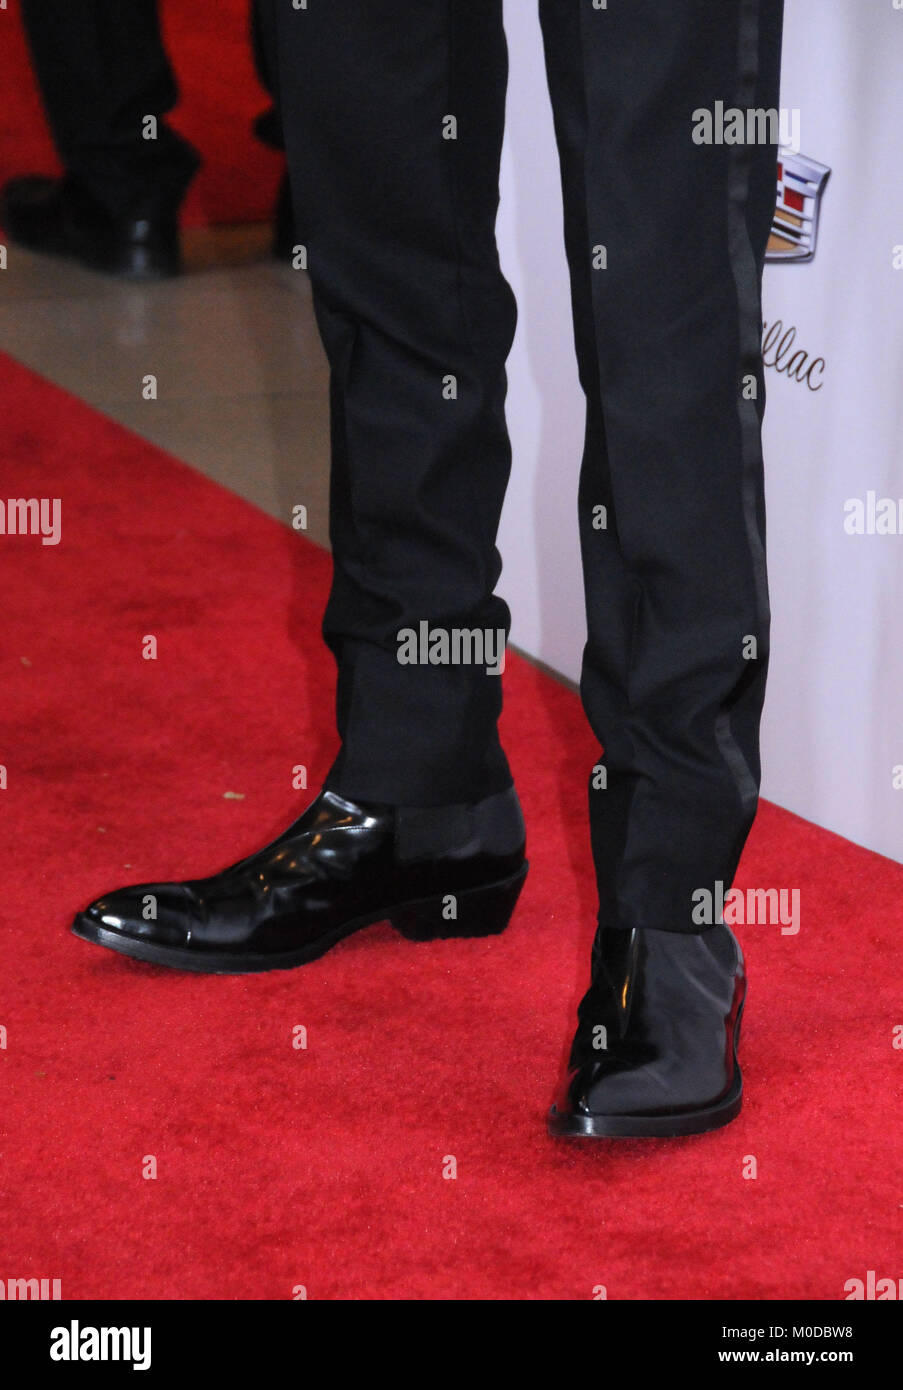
x=801, y=183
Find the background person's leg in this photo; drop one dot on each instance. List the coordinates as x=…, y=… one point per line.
x=399, y=223
x=666, y=335
x=102, y=68
x=268, y=126
x=287, y=233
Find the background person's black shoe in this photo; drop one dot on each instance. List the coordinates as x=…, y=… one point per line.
x=57, y=217
x=655, y=1053
x=285, y=237
x=445, y=872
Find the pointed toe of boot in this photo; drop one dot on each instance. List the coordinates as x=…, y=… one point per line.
x=141, y=920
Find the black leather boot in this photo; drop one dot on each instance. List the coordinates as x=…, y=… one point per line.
x=448, y=871
x=59, y=218
x=655, y=1053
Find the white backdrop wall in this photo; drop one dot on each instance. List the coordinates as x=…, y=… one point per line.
x=833, y=728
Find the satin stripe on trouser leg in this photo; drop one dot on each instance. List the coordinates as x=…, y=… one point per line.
x=666, y=334
x=408, y=293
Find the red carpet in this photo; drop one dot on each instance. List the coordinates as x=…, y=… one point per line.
x=324, y=1167
x=210, y=51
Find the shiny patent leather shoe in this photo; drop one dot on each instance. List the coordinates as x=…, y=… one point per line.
x=655, y=1053
x=58, y=218
x=443, y=872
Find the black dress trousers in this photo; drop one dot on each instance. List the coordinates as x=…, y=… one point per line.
x=393, y=115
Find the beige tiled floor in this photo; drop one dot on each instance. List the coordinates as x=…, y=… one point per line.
x=241, y=376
